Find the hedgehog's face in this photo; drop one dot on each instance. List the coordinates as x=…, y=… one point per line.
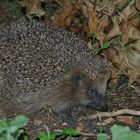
x=92, y=91
x=96, y=100
x=95, y=92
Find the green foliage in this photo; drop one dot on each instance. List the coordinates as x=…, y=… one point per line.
x=11, y=130
x=105, y=45
x=71, y=132
x=102, y=136
x=123, y=133
x=44, y=136
x=66, y=134
x=93, y=36
x=120, y=133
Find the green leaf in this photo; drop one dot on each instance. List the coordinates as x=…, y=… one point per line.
x=4, y=126
x=3, y=136
x=69, y=131
x=9, y=136
x=102, y=136
x=123, y=133
x=19, y=122
x=21, y=135
x=105, y=45
x=44, y=136
x=93, y=34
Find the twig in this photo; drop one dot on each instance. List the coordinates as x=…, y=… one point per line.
x=88, y=134
x=114, y=114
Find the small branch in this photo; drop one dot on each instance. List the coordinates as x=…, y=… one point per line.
x=113, y=114
x=88, y=134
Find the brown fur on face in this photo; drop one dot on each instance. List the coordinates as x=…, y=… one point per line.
x=76, y=89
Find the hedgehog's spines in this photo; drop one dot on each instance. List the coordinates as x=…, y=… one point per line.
x=35, y=57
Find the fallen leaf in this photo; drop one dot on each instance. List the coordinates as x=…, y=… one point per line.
x=65, y=17
x=33, y=8
x=80, y=126
x=114, y=32
x=130, y=62
x=138, y=4
x=128, y=12
x=106, y=7
x=130, y=34
x=125, y=119
x=104, y=22
x=109, y=121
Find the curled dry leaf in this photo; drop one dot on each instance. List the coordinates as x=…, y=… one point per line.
x=138, y=4
x=109, y=121
x=114, y=32
x=133, y=33
x=93, y=21
x=33, y=8
x=126, y=120
x=137, y=46
x=120, y=3
x=104, y=22
x=128, y=12
x=135, y=21
x=130, y=61
x=130, y=34
x=80, y=126
x=95, y=24
x=106, y=7
x=86, y=4
x=112, y=55
x=66, y=16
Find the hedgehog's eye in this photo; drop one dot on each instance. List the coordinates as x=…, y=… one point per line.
x=91, y=90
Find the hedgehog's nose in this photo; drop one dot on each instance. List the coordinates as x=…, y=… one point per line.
x=103, y=104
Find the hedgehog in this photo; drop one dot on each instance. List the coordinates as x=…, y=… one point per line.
x=42, y=65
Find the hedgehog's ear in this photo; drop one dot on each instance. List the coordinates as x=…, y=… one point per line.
x=101, y=84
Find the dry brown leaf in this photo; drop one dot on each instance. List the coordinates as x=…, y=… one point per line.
x=138, y=4
x=109, y=121
x=112, y=55
x=128, y=12
x=125, y=30
x=133, y=33
x=33, y=8
x=130, y=34
x=137, y=46
x=93, y=20
x=114, y=32
x=104, y=22
x=106, y=7
x=80, y=126
x=130, y=62
x=65, y=18
x=90, y=12
x=93, y=24
x=125, y=119
x=120, y=3
x=135, y=21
